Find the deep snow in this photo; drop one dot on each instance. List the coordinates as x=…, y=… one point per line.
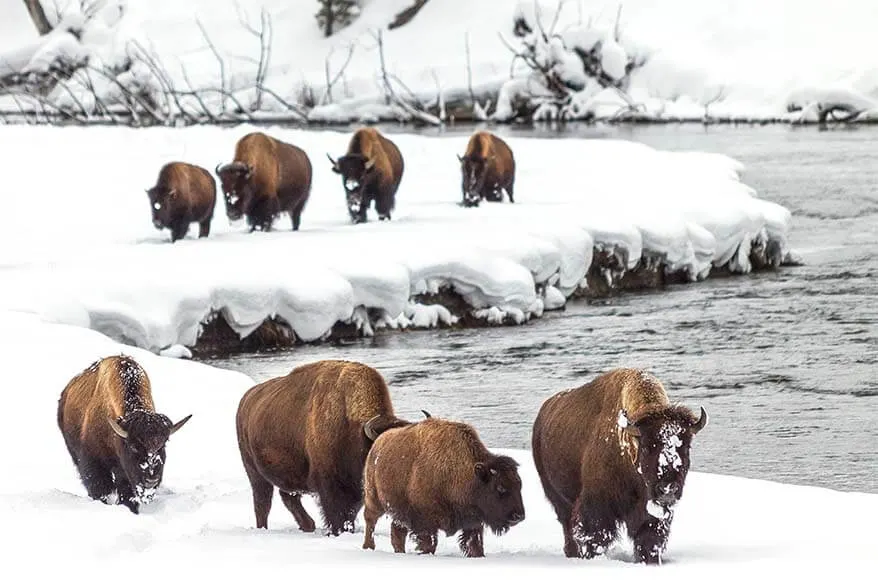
x=201, y=523
x=749, y=59
x=92, y=257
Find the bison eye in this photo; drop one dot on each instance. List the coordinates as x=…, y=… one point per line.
x=502, y=490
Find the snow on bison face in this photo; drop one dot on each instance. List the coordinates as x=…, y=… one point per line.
x=662, y=442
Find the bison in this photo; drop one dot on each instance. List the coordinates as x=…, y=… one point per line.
x=437, y=475
x=488, y=169
x=113, y=433
x=371, y=170
x=309, y=432
x=614, y=451
x=183, y=194
x=266, y=178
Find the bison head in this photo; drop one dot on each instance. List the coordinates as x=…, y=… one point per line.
x=356, y=172
x=143, y=436
x=235, y=180
x=473, y=169
x=162, y=202
x=662, y=443
x=497, y=493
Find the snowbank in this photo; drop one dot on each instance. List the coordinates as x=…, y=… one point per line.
x=693, y=60
x=94, y=259
x=201, y=523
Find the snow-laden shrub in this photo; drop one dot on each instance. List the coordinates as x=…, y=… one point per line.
x=556, y=75
x=334, y=15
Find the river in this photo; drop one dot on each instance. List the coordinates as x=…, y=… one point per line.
x=784, y=363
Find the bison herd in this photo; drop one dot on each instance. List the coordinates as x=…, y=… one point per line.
x=613, y=452
x=268, y=177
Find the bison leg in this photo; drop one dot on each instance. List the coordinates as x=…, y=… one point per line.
x=471, y=542
x=293, y=502
x=296, y=214
x=126, y=493
x=97, y=479
x=370, y=516
x=339, y=506
x=263, y=492
x=398, y=534
x=427, y=542
x=594, y=532
x=651, y=540
x=178, y=231
x=204, y=228
x=509, y=192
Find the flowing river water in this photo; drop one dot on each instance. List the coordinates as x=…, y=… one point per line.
x=786, y=364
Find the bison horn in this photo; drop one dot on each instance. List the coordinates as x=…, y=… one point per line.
x=701, y=422
x=427, y=414
x=369, y=164
x=332, y=160
x=116, y=428
x=179, y=425
x=371, y=434
x=460, y=158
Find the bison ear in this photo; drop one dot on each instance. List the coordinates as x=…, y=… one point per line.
x=116, y=428
x=701, y=422
x=179, y=425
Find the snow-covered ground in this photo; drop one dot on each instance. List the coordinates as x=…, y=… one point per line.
x=80, y=247
x=747, y=59
x=201, y=524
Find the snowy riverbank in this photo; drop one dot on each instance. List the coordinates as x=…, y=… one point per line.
x=682, y=60
x=591, y=216
x=726, y=528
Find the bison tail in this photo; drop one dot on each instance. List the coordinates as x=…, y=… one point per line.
x=376, y=425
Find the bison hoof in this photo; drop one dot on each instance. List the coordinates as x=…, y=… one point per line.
x=369, y=545
x=383, y=217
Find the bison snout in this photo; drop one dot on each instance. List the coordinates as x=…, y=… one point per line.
x=157, y=224
x=516, y=517
x=668, y=494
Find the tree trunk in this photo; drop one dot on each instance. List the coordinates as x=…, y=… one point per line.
x=38, y=15
x=330, y=18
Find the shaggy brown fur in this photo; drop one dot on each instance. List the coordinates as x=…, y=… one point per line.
x=266, y=178
x=605, y=452
x=183, y=194
x=488, y=169
x=112, y=432
x=371, y=170
x=437, y=475
x=309, y=432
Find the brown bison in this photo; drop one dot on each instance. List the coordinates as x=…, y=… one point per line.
x=309, y=432
x=183, y=194
x=488, y=169
x=266, y=178
x=437, y=475
x=614, y=451
x=371, y=171
x=113, y=433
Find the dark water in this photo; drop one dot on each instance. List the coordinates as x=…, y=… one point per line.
x=786, y=364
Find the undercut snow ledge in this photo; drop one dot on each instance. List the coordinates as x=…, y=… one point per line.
x=583, y=224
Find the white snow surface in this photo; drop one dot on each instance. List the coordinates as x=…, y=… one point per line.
x=200, y=523
x=91, y=256
x=746, y=59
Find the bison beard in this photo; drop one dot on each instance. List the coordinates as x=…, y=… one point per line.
x=599, y=469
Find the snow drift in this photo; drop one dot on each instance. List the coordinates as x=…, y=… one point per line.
x=680, y=60
x=201, y=524
x=94, y=259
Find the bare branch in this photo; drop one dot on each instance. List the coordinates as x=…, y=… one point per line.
x=219, y=59
x=330, y=83
x=469, y=69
